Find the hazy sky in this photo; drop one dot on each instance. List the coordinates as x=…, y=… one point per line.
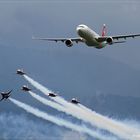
x=20, y=20
x=79, y=71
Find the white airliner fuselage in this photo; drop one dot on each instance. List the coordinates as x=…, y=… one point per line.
x=91, y=38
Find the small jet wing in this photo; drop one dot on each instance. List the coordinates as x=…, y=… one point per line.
x=117, y=37
x=2, y=94
x=9, y=91
x=5, y=93
x=1, y=99
x=59, y=39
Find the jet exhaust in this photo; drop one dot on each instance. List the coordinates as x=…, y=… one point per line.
x=95, y=119
x=68, y=111
x=58, y=121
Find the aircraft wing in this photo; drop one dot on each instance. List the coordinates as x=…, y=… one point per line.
x=9, y=91
x=125, y=36
x=59, y=39
x=117, y=37
x=2, y=98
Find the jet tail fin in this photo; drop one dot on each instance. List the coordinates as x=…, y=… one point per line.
x=104, y=30
x=10, y=91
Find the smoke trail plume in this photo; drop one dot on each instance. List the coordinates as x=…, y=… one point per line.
x=44, y=90
x=133, y=132
x=70, y=111
x=61, y=108
x=94, y=118
x=20, y=127
x=57, y=121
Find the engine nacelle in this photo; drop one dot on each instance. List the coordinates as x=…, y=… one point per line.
x=69, y=43
x=109, y=40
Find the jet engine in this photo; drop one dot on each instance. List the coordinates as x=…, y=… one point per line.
x=109, y=40
x=69, y=43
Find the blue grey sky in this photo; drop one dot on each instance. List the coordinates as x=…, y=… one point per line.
x=89, y=74
x=22, y=19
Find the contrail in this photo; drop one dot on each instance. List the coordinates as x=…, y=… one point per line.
x=133, y=132
x=59, y=107
x=37, y=85
x=58, y=121
x=53, y=104
x=93, y=118
x=44, y=90
x=63, y=109
x=70, y=111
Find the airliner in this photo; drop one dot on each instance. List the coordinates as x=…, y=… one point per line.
x=91, y=38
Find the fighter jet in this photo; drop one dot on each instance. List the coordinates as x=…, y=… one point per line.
x=25, y=88
x=74, y=100
x=20, y=72
x=52, y=94
x=5, y=95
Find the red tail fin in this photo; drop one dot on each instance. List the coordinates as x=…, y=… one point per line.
x=104, y=30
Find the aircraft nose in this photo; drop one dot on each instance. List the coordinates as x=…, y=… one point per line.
x=79, y=30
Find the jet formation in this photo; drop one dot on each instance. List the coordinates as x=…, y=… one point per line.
x=25, y=88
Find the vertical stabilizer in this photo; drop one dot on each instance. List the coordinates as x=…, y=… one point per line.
x=104, y=30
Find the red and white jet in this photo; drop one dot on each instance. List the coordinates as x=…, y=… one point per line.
x=91, y=38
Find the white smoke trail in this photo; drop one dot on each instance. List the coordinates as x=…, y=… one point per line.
x=100, y=121
x=70, y=111
x=20, y=127
x=44, y=90
x=133, y=132
x=58, y=121
x=61, y=108
x=37, y=85
x=55, y=105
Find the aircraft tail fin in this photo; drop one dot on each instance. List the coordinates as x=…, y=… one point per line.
x=104, y=30
x=10, y=91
